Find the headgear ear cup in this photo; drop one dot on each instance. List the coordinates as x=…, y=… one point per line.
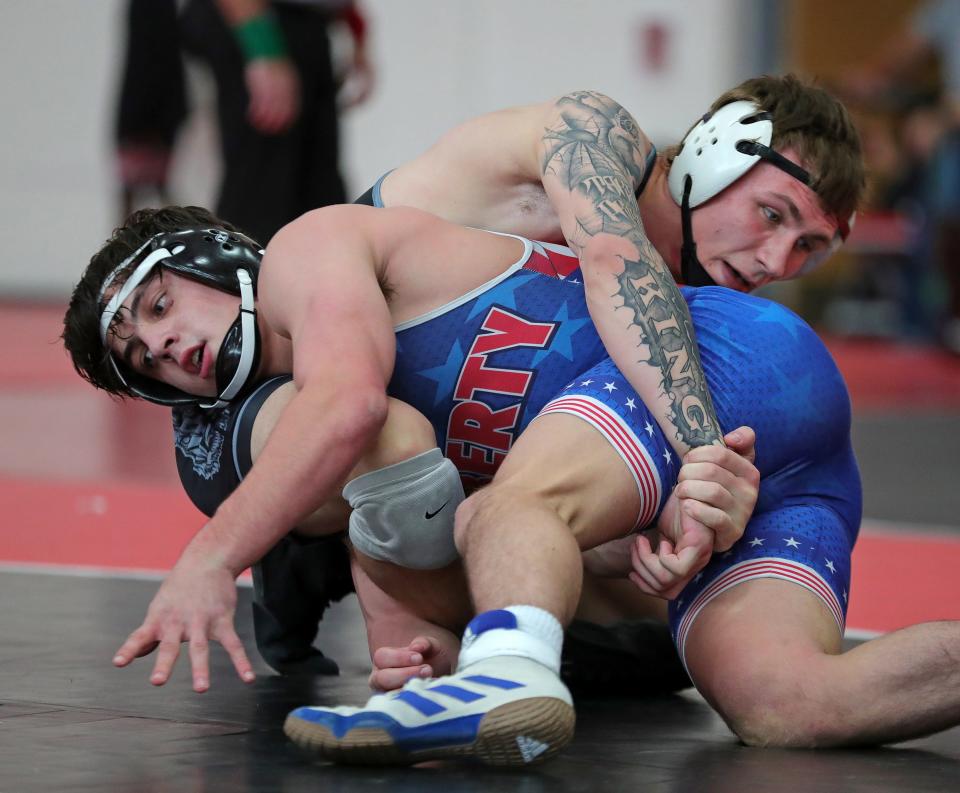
x=709, y=153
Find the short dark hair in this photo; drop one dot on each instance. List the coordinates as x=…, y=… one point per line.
x=81, y=323
x=818, y=127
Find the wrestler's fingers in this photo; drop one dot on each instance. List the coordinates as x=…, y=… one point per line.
x=640, y=545
x=393, y=678
x=228, y=638
x=724, y=532
x=640, y=550
x=647, y=564
x=712, y=493
x=743, y=441
x=141, y=642
x=423, y=645
x=686, y=562
x=727, y=459
x=712, y=517
x=643, y=586
x=709, y=472
x=166, y=657
x=199, y=651
x=666, y=577
x=665, y=547
x=640, y=573
x=640, y=584
x=395, y=657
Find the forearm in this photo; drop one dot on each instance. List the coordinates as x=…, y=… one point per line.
x=255, y=28
x=592, y=158
x=646, y=327
x=611, y=559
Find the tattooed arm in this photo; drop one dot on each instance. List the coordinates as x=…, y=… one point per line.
x=592, y=158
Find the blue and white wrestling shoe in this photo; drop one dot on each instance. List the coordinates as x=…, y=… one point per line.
x=503, y=710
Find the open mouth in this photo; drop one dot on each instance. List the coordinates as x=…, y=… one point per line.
x=203, y=362
x=737, y=281
x=194, y=363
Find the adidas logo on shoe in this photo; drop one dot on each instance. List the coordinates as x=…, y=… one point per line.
x=531, y=748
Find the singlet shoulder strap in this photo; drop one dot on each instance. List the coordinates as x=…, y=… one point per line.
x=372, y=197
x=243, y=430
x=647, y=170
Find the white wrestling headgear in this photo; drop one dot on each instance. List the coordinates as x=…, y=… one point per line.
x=721, y=148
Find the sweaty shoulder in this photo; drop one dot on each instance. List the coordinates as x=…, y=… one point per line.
x=335, y=229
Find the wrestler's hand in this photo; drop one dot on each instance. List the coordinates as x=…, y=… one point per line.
x=665, y=570
x=424, y=657
x=195, y=603
x=274, y=88
x=718, y=488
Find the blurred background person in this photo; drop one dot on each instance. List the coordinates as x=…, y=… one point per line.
x=152, y=103
x=915, y=74
x=277, y=102
x=278, y=95
x=279, y=85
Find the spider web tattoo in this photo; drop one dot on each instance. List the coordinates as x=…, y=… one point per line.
x=595, y=150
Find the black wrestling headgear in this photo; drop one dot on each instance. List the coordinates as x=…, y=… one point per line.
x=224, y=260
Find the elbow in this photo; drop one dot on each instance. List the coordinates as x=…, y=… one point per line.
x=602, y=263
x=606, y=253
x=352, y=413
x=365, y=415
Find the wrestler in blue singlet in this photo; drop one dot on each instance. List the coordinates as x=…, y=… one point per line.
x=522, y=345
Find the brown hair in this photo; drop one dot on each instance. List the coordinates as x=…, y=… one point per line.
x=815, y=124
x=81, y=323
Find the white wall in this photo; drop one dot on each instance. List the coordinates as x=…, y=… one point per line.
x=440, y=62
x=443, y=62
x=57, y=59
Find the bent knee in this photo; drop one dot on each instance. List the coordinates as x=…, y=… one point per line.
x=496, y=503
x=464, y=522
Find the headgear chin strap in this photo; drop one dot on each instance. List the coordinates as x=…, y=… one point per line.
x=215, y=257
x=240, y=350
x=720, y=149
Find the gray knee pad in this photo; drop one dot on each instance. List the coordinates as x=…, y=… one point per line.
x=404, y=513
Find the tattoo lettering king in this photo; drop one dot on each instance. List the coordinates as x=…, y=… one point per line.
x=668, y=334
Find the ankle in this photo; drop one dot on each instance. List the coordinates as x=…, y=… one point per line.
x=525, y=631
